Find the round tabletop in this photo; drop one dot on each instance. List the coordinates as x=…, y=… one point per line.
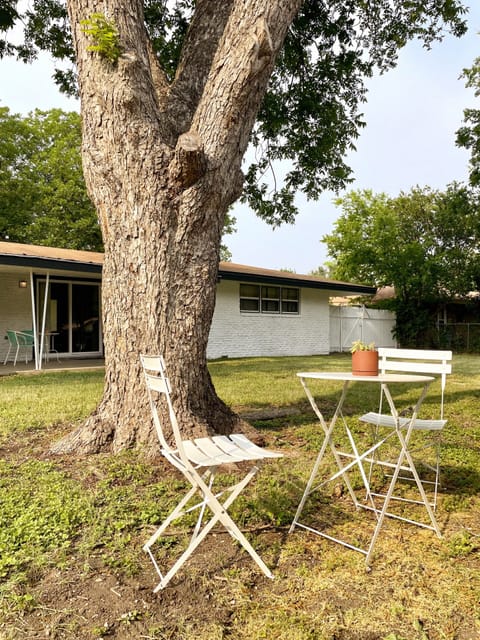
x=384, y=378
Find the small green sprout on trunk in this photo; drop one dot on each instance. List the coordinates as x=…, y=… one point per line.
x=105, y=36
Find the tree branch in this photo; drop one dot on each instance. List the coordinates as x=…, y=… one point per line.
x=188, y=164
x=240, y=72
x=201, y=42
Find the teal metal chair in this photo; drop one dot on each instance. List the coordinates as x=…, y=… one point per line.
x=18, y=340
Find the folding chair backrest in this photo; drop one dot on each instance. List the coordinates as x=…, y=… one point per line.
x=158, y=385
x=417, y=361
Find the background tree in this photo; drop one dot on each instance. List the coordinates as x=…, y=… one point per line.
x=325, y=270
x=43, y=198
x=228, y=229
x=423, y=243
x=171, y=97
x=468, y=136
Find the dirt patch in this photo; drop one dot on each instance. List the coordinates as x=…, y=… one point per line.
x=90, y=601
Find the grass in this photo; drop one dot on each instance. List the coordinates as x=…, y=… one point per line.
x=72, y=529
x=38, y=401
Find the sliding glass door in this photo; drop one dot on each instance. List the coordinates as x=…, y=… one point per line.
x=72, y=319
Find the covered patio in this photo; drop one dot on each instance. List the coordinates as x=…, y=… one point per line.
x=53, y=294
x=66, y=364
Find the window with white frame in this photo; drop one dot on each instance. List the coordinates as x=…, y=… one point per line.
x=256, y=298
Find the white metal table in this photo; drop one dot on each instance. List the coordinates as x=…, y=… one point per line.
x=403, y=435
x=47, y=339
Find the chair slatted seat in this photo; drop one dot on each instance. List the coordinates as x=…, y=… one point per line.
x=385, y=420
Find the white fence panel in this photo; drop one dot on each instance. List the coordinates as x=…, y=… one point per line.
x=348, y=324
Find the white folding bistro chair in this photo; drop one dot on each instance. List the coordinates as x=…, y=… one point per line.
x=198, y=461
x=419, y=361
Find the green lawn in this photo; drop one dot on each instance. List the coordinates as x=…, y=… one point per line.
x=72, y=529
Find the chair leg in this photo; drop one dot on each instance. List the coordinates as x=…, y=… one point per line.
x=8, y=353
x=219, y=511
x=176, y=513
x=230, y=525
x=219, y=514
x=437, y=473
x=202, y=509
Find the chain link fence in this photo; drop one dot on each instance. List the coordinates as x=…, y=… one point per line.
x=460, y=336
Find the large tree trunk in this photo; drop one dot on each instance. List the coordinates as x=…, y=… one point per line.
x=162, y=165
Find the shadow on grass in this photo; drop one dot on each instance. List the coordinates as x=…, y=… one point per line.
x=458, y=480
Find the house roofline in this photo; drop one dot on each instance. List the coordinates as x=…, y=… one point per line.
x=47, y=264
x=50, y=258
x=232, y=271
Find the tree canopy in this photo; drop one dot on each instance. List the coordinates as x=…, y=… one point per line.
x=468, y=136
x=424, y=243
x=310, y=115
x=43, y=198
x=8, y=17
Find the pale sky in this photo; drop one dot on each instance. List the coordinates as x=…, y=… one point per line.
x=412, y=114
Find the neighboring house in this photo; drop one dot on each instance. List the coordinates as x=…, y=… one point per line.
x=258, y=311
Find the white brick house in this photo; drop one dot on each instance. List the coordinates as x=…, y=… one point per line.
x=258, y=311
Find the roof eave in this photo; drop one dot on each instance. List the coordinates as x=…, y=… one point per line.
x=33, y=262
x=326, y=285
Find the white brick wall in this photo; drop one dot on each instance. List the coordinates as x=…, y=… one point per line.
x=236, y=334
x=15, y=307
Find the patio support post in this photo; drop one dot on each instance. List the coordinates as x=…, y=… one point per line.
x=34, y=322
x=44, y=318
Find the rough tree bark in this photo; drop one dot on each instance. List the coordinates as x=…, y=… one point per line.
x=162, y=165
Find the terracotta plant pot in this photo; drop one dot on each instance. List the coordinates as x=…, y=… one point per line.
x=365, y=363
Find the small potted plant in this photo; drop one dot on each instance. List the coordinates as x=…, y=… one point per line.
x=364, y=359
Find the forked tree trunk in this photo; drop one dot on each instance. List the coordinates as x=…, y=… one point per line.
x=162, y=165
